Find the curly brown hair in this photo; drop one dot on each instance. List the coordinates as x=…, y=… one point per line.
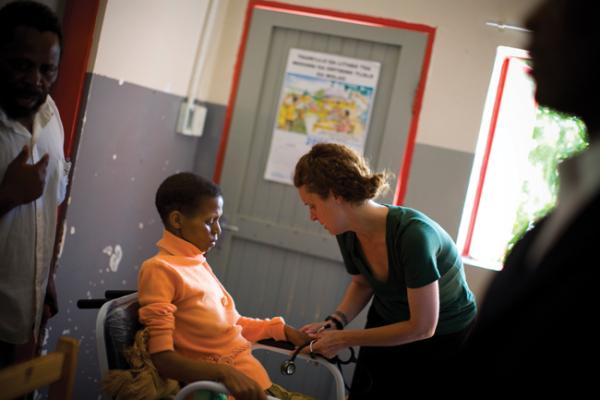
x=335, y=168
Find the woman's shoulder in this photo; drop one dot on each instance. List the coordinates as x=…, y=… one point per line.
x=409, y=223
x=408, y=217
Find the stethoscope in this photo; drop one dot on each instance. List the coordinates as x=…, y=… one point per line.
x=288, y=367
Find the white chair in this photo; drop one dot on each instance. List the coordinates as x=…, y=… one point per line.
x=117, y=324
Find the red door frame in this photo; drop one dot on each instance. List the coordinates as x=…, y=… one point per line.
x=403, y=174
x=79, y=21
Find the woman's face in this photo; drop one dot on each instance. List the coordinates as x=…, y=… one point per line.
x=326, y=211
x=202, y=229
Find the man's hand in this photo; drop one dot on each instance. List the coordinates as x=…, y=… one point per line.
x=240, y=386
x=22, y=182
x=298, y=338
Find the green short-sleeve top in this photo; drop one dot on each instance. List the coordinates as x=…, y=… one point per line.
x=419, y=253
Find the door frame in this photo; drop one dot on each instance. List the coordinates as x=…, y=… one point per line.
x=79, y=22
x=70, y=91
x=404, y=172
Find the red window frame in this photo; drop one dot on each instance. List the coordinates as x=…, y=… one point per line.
x=487, y=152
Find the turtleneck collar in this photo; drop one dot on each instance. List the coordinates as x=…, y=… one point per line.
x=177, y=246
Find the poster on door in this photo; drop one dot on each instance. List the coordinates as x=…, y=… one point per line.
x=324, y=98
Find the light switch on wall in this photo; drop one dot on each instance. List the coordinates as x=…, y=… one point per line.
x=191, y=119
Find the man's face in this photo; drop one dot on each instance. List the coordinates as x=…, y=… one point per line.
x=28, y=68
x=562, y=58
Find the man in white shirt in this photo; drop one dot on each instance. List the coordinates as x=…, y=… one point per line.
x=536, y=327
x=33, y=171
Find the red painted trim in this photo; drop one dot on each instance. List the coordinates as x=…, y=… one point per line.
x=404, y=173
x=486, y=156
x=336, y=16
x=79, y=21
x=233, y=95
x=340, y=16
x=78, y=24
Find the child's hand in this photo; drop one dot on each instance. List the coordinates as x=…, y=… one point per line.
x=240, y=386
x=298, y=338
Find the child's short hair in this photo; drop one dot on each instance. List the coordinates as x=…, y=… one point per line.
x=183, y=192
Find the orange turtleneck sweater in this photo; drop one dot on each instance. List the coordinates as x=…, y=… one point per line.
x=186, y=309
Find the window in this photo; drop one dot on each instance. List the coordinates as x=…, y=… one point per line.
x=514, y=180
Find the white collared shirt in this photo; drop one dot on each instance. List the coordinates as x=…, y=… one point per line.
x=579, y=182
x=27, y=232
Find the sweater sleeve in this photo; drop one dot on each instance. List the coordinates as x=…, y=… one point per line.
x=156, y=289
x=255, y=329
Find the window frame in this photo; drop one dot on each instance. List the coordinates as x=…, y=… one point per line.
x=483, y=150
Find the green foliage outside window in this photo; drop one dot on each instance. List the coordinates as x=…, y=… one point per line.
x=557, y=136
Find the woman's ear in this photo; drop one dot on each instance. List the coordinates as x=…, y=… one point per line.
x=338, y=199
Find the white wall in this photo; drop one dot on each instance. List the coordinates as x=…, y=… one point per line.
x=152, y=43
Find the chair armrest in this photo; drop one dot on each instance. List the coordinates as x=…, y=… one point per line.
x=282, y=344
x=337, y=375
x=86, y=304
x=205, y=385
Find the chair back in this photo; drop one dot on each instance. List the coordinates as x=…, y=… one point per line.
x=116, y=326
x=56, y=369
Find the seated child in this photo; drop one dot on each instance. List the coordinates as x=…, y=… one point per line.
x=195, y=331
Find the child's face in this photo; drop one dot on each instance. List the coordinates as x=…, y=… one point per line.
x=202, y=229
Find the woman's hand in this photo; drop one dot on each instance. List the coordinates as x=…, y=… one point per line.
x=297, y=337
x=313, y=329
x=329, y=342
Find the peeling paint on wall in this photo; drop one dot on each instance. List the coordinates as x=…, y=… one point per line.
x=115, y=254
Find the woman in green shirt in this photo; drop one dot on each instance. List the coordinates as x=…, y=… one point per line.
x=405, y=262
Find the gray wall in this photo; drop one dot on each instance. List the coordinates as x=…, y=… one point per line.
x=128, y=146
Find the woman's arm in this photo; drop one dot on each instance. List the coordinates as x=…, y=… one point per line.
x=169, y=364
x=357, y=295
x=424, y=311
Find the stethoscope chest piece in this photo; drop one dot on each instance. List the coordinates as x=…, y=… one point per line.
x=288, y=367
